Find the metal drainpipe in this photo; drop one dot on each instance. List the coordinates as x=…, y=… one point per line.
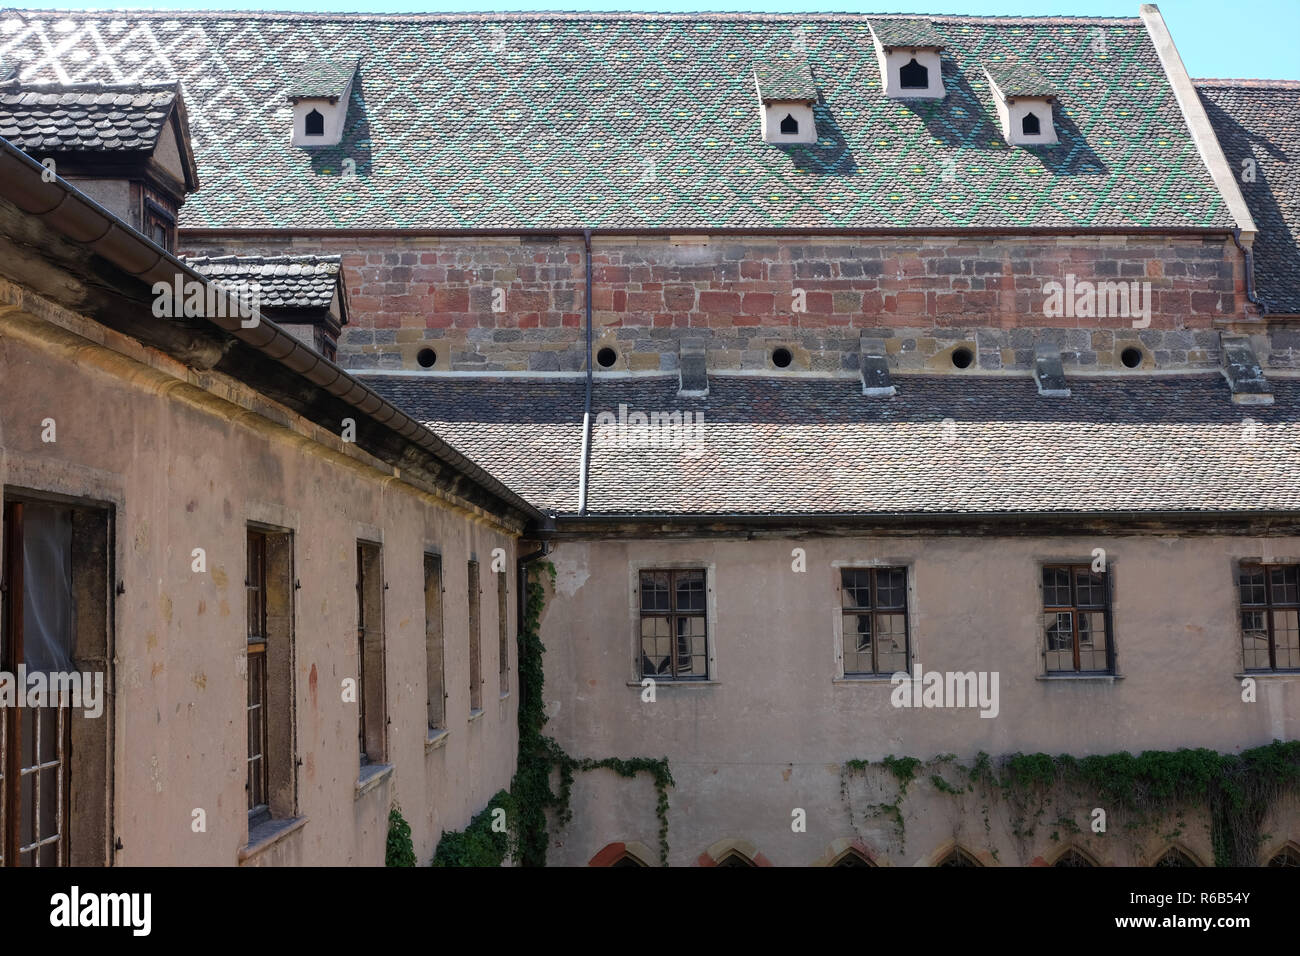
x=586, y=408
x=1250, y=271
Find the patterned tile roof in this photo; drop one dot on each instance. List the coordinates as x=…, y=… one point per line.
x=785, y=80
x=906, y=32
x=321, y=78
x=1018, y=78
x=944, y=444
x=104, y=117
x=626, y=121
x=1258, y=125
x=287, y=282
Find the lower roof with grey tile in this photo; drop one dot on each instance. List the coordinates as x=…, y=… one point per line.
x=957, y=445
x=287, y=282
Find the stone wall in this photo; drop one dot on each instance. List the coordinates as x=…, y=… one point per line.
x=510, y=304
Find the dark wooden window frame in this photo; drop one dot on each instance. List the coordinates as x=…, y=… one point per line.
x=257, y=783
x=1074, y=608
x=503, y=632
x=672, y=615
x=474, y=595
x=875, y=610
x=1267, y=608
x=157, y=214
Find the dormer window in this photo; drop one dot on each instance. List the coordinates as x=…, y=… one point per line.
x=786, y=94
x=914, y=76
x=320, y=91
x=908, y=50
x=1023, y=98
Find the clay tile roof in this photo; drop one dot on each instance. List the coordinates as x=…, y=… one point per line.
x=906, y=32
x=816, y=446
x=785, y=80
x=1259, y=120
x=549, y=121
x=320, y=79
x=85, y=116
x=286, y=282
x=1015, y=77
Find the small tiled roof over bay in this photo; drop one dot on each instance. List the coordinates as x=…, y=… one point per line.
x=785, y=80
x=1259, y=120
x=1018, y=78
x=288, y=282
x=85, y=117
x=321, y=79
x=549, y=121
x=943, y=445
x=906, y=32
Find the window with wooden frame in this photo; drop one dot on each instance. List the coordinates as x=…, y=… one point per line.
x=372, y=708
x=674, y=625
x=874, y=603
x=1076, y=620
x=433, y=647
x=272, y=772
x=475, y=641
x=503, y=633
x=1270, y=616
x=56, y=621
x=160, y=225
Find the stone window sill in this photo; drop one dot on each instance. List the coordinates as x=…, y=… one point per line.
x=435, y=740
x=475, y=714
x=1101, y=678
x=676, y=683
x=1268, y=675
x=865, y=679
x=504, y=695
x=268, y=834
x=372, y=775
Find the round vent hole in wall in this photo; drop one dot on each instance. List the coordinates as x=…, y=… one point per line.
x=781, y=357
x=961, y=358
x=426, y=358
x=606, y=357
x=1131, y=357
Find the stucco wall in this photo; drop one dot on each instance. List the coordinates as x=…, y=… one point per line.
x=186, y=462
x=775, y=730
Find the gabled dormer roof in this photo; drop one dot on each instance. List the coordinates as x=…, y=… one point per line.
x=1016, y=78
x=907, y=33
x=45, y=119
x=300, y=283
x=321, y=79
x=785, y=81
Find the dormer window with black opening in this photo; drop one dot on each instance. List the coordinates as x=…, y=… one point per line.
x=1024, y=99
x=786, y=94
x=908, y=50
x=319, y=91
x=913, y=76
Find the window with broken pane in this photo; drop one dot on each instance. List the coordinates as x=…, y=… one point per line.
x=1076, y=620
x=874, y=602
x=674, y=625
x=1270, y=616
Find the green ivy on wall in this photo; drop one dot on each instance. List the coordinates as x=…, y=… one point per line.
x=400, y=851
x=530, y=795
x=1235, y=790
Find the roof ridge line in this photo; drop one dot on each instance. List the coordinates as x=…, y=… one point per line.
x=1248, y=83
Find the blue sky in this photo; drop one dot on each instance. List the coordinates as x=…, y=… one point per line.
x=1245, y=38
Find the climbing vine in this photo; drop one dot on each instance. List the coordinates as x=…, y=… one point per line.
x=540, y=757
x=1235, y=790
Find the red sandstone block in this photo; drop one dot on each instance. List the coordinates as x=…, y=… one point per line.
x=820, y=302
x=756, y=303
x=1206, y=302
x=873, y=303
x=680, y=298
x=727, y=302
x=615, y=275
x=620, y=301
x=645, y=301
x=750, y=269
x=446, y=299
x=948, y=302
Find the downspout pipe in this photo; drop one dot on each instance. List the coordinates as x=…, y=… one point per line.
x=586, y=407
x=1250, y=271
